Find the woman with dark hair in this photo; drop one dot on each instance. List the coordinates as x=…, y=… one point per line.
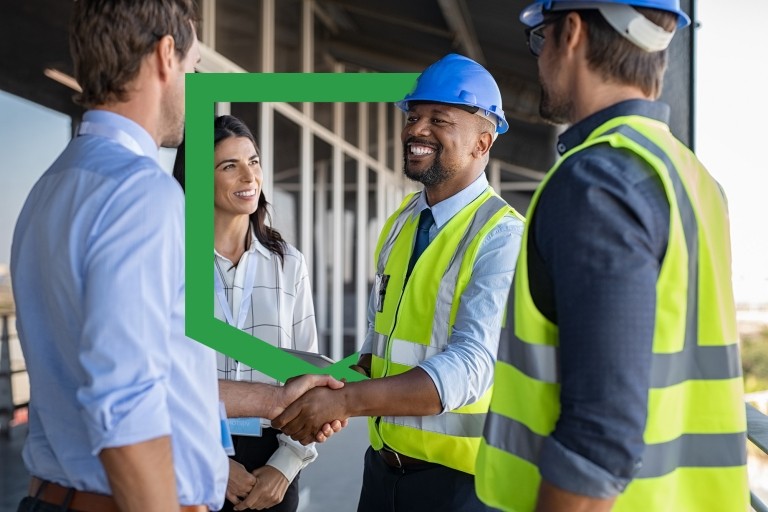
x=262, y=287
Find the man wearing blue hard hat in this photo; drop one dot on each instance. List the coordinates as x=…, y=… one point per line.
x=444, y=261
x=619, y=386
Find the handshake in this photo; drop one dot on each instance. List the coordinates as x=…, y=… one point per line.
x=308, y=408
x=311, y=408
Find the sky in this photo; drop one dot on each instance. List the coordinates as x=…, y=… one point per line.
x=731, y=111
x=731, y=114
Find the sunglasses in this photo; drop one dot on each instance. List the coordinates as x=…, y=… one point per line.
x=535, y=35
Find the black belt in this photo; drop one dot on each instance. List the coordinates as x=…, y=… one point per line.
x=400, y=461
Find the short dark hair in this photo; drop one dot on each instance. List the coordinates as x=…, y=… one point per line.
x=109, y=39
x=615, y=57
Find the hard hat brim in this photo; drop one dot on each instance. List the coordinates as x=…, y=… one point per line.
x=501, y=127
x=533, y=14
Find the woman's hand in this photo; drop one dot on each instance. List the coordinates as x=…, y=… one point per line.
x=240, y=482
x=268, y=490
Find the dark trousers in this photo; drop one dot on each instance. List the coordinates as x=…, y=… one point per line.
x=432, y=487
x=254, y=452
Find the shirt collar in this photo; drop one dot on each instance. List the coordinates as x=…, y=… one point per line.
x=130, y=127
x=578, y=133
x=253, y=247
x=447, y=208
x=256, y=246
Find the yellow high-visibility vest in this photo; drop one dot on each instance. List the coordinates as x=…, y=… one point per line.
x=416, y=320
x=695, y=434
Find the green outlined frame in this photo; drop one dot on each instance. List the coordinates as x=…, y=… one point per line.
x=202, y=91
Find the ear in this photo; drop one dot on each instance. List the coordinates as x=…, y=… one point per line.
x=574, y=32
x=165, y=56
x=483, y=144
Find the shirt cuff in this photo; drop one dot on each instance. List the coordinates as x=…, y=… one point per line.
x=288, y=462
x=572, y=472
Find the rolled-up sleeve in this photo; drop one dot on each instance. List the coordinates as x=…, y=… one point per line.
x=132, y=272
x=464, y=371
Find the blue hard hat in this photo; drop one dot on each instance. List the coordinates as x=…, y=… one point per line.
x=534, y=14
x=458, y=80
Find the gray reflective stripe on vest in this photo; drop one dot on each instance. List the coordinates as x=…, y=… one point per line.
x=539, y=362
x=410, y=353
x=450, y=423
x=694, y=362
x=397, y=226
x=694, y=451
x=379, y=344
x=447, y=288
x=688, y=450
x=402, y=351
x=512, y=437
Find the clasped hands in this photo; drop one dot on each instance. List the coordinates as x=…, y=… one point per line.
x=263, y=488
x=314, y=408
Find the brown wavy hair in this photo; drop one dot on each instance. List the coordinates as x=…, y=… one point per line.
x=108, y=40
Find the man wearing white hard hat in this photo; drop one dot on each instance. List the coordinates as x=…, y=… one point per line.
x=619, y=385
x=445, y=260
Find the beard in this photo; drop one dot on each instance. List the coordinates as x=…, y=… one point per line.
x=175, y=136
x=173, y=119
x=432, y=175
x=554, y=108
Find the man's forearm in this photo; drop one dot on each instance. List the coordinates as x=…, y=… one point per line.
x=141, y=476
x=409, y=394
x=267, y=401
x=249, y=399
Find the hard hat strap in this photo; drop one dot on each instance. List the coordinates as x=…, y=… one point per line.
x=635, y=27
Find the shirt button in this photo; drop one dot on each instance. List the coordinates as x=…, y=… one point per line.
x=561, y=148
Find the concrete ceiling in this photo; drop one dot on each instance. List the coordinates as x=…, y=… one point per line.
x=402, y=35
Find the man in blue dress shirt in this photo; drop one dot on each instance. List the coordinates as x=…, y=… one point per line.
x=123, y=414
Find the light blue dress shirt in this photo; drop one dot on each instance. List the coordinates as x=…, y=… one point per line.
x=464, y=371
x=97, y=265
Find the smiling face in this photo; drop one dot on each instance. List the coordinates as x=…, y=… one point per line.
x=237, y=177
x=438, y=142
